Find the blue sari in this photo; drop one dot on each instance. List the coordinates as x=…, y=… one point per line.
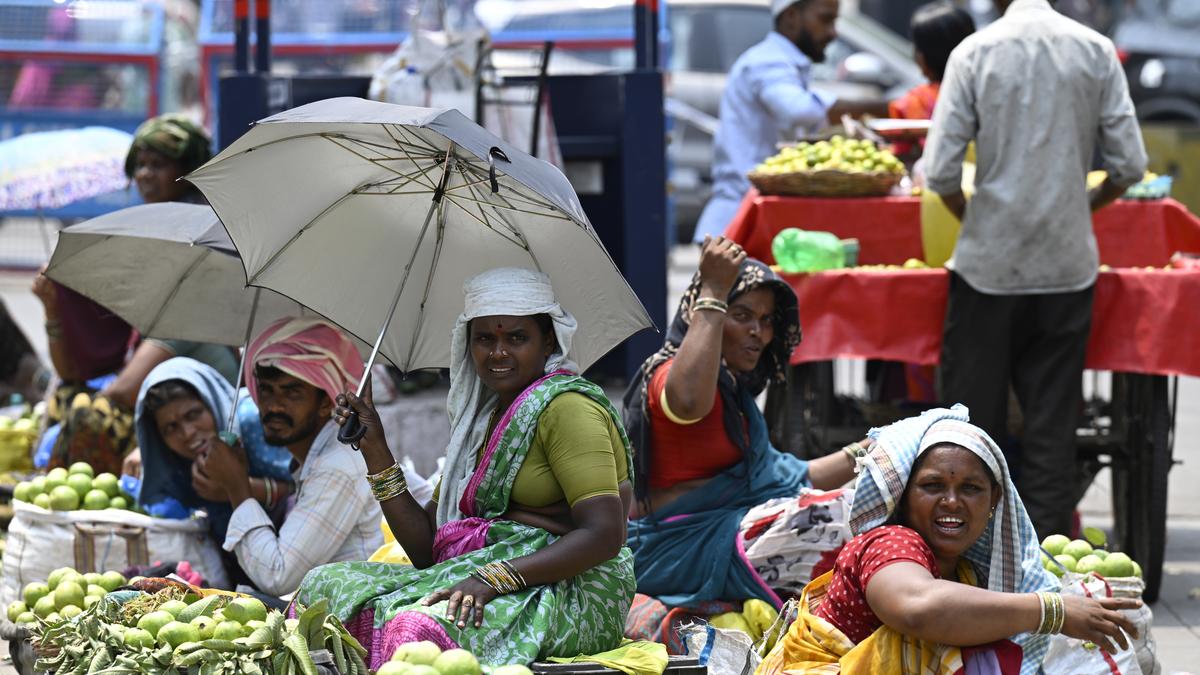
x=689, y=552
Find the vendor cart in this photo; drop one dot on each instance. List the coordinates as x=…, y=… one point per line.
x=1145, y=332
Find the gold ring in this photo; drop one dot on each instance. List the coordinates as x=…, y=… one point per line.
x=468, y=600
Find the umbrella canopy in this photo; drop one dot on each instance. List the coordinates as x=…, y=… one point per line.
x=51, y=169
x=169, y=270
x=355, y=207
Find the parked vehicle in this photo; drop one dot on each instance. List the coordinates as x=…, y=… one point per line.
x=1157, y=42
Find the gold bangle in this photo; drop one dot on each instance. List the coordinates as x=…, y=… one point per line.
x=712, y=304
x=388, y=484
x=54, y=330
x=1053, y=614
x=501, y=576
x=854, y=451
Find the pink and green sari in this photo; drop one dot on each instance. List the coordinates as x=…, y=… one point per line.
x=379, y=602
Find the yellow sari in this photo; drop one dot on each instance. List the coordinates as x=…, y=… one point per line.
x=815, y=646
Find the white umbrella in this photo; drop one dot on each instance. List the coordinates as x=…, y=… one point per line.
x=364, y=210
x=170, y=271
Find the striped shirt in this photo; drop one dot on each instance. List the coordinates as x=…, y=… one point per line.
x=334, y=518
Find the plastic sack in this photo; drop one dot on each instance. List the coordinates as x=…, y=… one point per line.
x=1070, y=656
x=798, y=251
x=790, y=540
x=1143, y=618
x=40, y=541
x=722, y=651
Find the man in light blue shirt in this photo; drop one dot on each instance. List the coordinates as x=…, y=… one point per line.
x=767, y=99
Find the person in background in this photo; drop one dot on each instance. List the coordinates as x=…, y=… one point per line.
x=936, y=29
x=294, y=370
x=768, y=99
x=21, y=371
x=1025, y=264
x=182, y=406
x=87, y=341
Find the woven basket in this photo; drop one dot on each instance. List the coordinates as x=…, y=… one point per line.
x=826, y=183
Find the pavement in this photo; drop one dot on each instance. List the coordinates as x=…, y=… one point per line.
x=421, y=419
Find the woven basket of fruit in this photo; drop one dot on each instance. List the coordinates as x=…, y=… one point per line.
x=838, y=167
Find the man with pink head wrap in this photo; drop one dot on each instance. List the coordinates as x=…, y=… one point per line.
x=294, y=370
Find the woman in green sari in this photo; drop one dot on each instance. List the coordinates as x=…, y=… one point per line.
x=520, y=555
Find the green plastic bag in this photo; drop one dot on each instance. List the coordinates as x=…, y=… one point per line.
x=799, y=251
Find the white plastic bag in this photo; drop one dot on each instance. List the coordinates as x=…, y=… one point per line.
x=39, y=541
x=723, y=651
x=1069, y=656
x=1142, y=618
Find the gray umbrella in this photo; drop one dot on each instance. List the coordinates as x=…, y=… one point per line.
x=170, y=271
x=364, y=211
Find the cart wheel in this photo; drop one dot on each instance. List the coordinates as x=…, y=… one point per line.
x=1140, y=474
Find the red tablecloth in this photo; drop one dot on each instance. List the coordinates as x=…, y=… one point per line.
x=1145, y=321
x=888, y=229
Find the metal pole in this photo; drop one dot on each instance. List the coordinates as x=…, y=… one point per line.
x=645, y=33
x=241, y=36
x=262, y=36
x=353, y=430
x=437, y=198
x=237, y=388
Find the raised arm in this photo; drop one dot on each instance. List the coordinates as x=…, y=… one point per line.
x=906, y=597
x=412, y=523
x=60, y=355
x=691, y=386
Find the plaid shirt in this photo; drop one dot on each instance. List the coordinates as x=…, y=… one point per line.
x=334, y=518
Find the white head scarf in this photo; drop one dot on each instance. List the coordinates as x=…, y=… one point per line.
x=777, y=6
x=507, y=291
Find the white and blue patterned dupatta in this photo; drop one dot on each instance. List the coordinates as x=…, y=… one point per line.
x=1006, y=557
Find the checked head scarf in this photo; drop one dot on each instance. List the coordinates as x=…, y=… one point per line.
x=1007, y=557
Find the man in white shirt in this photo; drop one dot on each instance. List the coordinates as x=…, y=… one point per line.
x=768, y=99
x=1039, y=94
x=294, y=370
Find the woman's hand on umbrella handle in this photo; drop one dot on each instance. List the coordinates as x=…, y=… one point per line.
x=358, y=419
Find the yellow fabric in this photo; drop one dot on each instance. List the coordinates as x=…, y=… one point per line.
x=633, y=658
x=662, y=400
x=576, y=453
x=815, y=646
x=939, y=227
x=754, y=620
x=391, y=551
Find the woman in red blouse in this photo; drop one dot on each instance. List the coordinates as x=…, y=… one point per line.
x=945, y=571
x=705, y=466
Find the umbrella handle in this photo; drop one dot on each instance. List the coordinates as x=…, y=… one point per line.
x=352, y=431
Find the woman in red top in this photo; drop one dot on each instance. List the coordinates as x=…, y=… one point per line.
x=936, y=28
x=945, y=571
x=705, y=467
